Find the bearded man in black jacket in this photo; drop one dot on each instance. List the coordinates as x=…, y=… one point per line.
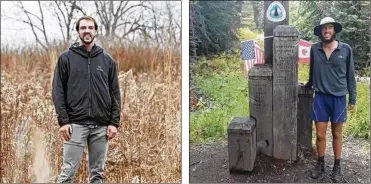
x=87, y=102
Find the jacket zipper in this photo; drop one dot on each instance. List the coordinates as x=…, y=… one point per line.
x=89, y=87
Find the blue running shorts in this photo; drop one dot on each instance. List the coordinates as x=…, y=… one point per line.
x=328, y=107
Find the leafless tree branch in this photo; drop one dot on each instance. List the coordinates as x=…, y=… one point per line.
x=65, y=11
x=78, y=8
x=43, y=23
x=113, y=15
x=33, y=26
x=59, y=20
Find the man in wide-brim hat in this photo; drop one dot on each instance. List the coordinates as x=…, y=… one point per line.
x=331, y=75
x=327, y=21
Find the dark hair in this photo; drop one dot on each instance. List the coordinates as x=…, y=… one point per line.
x=86, y=18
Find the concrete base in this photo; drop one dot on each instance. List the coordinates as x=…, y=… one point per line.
x=242, y=144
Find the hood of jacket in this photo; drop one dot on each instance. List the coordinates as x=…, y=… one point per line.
x=81, y=49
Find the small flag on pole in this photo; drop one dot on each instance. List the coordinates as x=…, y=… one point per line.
x=304, y=51
x=251, y=54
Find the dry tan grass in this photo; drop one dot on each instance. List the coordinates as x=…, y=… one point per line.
x=147, y=148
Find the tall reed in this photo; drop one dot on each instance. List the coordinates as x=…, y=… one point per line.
x=147, y=148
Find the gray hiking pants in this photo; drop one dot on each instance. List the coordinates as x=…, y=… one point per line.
x=96, y=139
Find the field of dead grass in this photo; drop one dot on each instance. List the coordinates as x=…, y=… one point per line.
x=148, y=146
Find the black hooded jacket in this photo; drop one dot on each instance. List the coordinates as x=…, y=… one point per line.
x=85, y=87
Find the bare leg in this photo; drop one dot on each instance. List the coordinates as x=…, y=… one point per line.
x=319, y=169
x=337, y=142
x=336, y=174
x=321, y=128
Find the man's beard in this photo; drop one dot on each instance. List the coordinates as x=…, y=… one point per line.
x=87, y=42
x=329, y=40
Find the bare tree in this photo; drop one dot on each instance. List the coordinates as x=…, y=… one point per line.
x=36, y=26
x=125, y=14
x=64, y=11
x=165, y=24
x=170, y=32
x=155, y=25
x=125, y=21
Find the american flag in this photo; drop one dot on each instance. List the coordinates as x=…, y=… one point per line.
x=251, y=54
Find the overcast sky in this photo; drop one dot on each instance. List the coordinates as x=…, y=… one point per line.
x=17, y=33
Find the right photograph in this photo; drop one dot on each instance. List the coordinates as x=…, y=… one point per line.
x=279, y=92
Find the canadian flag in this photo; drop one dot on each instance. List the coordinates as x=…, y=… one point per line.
x=304, y=51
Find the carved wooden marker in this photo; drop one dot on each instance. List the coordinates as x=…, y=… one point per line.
x=285, y=95
x=260, y=103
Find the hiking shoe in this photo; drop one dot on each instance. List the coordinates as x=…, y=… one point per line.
x=336, y=174
x=318, y=170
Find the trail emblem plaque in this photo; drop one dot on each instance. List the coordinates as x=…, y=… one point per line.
x=276, y=12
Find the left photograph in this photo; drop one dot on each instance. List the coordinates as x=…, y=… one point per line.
x=90, y=92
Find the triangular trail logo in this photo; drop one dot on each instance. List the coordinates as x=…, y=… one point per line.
x=276, y=12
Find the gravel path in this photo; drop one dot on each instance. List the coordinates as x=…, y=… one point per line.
x=209, y=164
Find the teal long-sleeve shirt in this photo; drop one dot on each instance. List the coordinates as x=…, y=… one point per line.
x=334, y=76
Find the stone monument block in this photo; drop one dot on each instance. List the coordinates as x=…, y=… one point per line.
x=285, y=95
x=304, y=123
x=241, y=144
x=260, y=103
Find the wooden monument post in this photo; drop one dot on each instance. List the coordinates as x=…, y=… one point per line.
x=261, y=79
x=285, y=92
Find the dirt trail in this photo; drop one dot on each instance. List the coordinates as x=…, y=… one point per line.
x=209, y=163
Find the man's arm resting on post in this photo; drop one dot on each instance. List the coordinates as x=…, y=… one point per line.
x=115, y=96
x=309, y=84
x=59, y=87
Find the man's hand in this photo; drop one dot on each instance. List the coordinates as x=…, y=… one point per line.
x=66, y=131
x=305, y=85
x=111, y=132
x=350, y=107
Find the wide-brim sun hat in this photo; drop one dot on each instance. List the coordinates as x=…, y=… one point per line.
x=327, y=20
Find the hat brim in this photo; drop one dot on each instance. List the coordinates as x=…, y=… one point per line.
x=337, y=27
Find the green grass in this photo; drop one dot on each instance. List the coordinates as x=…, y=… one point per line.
x=226, y=86
x=358, y=124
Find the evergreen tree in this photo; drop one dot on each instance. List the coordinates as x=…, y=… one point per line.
x=213, y=26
